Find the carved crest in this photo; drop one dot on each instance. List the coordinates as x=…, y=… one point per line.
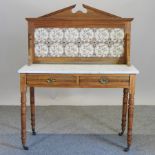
x=92, y=13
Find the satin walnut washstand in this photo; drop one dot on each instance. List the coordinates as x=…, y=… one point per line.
x=79, y=50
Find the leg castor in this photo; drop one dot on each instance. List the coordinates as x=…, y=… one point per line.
x=25, y=147
x=127, y=149
x=33, y=132
x=121, y=133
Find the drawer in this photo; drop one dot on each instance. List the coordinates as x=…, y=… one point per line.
x=111, y=81
x=51, y=80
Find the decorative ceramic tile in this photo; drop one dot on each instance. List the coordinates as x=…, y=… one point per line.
x=71, y=34
x=41, y=50
x=101, y=50
x=79, y=42
x=86, y=50
x=55, y=35
x=102, y=34
x=86, y=34
x=71, y=50
x=56, y=50
x=41, y=35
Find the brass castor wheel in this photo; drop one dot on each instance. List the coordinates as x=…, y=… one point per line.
x=25, y=147
x=33, y=132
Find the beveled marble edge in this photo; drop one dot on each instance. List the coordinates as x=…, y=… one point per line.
x=79, y=69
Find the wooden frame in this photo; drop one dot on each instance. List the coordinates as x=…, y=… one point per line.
x=93, y=18
x=65, y=18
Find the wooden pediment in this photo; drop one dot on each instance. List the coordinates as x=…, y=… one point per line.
x=91, y=14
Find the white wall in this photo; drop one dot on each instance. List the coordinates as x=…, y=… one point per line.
x=13, y=51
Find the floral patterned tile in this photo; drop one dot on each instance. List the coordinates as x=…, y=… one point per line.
x=79, y=42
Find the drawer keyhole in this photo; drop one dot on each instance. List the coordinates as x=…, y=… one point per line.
x=103, y=81
x=51, y=80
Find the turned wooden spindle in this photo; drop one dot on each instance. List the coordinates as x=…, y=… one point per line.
x=32, y=105
x=130, y=121
x=130, y=111
x=124, y=110
x=23, y=110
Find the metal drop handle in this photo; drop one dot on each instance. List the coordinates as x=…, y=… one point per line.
x=103, y=81
x=50, y=80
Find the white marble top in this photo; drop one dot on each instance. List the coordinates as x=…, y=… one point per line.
x=79, y=69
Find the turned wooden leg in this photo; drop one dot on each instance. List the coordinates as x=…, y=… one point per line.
x=23, y=110
x=32, y=104
x=124, y=110
x=130, y=111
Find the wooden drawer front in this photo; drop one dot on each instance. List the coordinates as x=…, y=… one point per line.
x=51, y=80
x=104, y=81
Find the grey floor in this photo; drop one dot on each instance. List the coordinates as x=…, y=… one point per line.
x=76, y=130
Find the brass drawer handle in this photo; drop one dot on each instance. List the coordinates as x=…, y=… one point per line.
x=103, y=81
x=51, y=80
